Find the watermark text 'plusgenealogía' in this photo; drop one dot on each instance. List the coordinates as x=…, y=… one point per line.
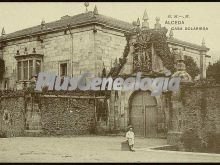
x=155, y=85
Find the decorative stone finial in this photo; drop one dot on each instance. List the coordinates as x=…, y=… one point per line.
x=157, y=24
x=34, y=50
x=138, y=22
x=134, y=23
x=86, y=4
x=145, y=24
x=3, y=31
x=145, y=16
x=95, y=11
x=180, y=60
x=171, y=34
x=43, y=22
x=203, y=42
x=181, y=69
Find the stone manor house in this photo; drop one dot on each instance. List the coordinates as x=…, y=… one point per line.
x=97, y=43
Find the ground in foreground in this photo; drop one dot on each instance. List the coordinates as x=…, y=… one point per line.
x=91, y=149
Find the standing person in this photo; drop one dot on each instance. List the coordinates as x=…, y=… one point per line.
x=130, y=138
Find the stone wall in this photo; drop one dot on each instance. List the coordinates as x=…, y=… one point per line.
x=202, y=109
x=195, y=108
x=63, y=115
x=12, y=111
x=67, y=116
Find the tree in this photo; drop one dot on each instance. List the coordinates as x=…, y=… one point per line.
x=191, y=66
x=213, y=71
x=2, y=68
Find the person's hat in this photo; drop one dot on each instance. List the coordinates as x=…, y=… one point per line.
x=130, y=126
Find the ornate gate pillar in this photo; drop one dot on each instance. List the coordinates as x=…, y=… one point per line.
x=176, y=109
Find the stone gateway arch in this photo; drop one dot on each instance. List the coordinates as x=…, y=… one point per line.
x=143, y=114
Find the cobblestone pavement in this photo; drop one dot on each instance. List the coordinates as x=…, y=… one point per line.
x=91, y=149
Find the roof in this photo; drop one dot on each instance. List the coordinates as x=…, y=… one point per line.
x=186, y=44
x=85, y=19
x=77, y=20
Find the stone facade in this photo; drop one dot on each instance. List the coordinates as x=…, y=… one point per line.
x=88, y=51
x=109, y=45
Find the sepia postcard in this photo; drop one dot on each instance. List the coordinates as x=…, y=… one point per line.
x=109, y=82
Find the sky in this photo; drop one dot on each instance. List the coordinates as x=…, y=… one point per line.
x=17, y=16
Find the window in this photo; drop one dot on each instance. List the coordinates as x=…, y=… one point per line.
x=28, y=68
x=63, y=69
x=25, y=70
x=28, y=65
x=19, y=70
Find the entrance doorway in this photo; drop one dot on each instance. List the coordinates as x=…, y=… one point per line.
x=143, y=114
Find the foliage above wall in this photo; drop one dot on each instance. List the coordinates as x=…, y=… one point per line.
x=213, y=71
x=2, y=68
x=191, y=66
x=159, y=40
